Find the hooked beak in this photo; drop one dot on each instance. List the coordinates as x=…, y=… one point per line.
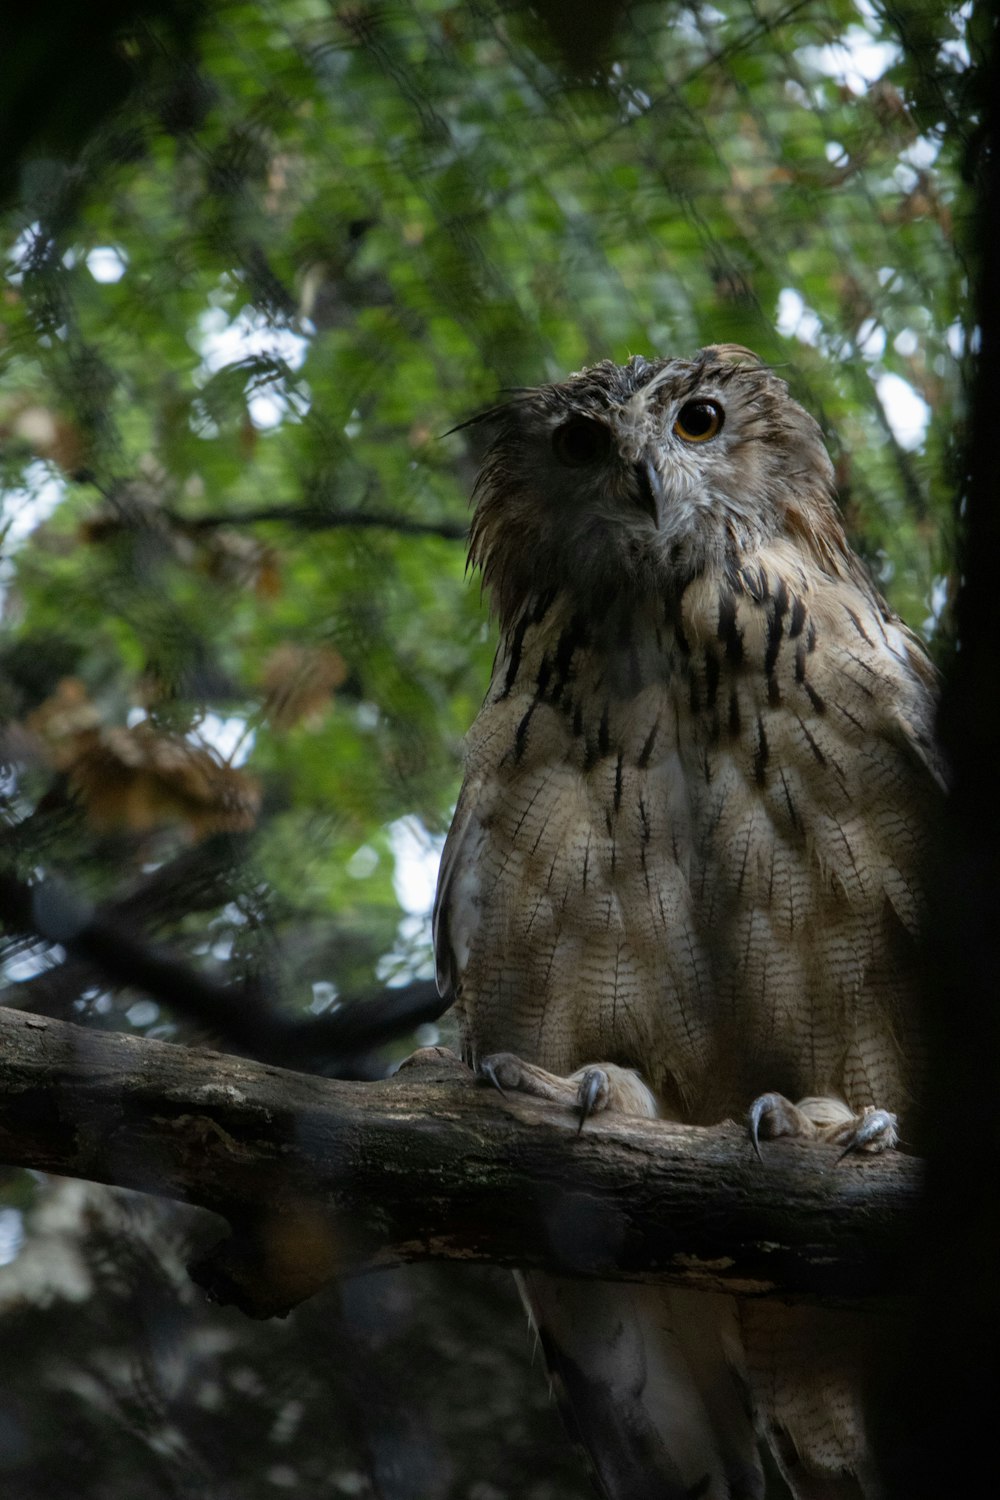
x=649, y=490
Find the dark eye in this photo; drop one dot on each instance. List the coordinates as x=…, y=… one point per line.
x=581, y=441
x=697, y=421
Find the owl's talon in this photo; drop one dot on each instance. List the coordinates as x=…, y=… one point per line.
x=872, y=1132
x=756, y=1113
x=510, y=1074
x=489, y=1070
x=593, y=1094
x=590, y=1090
x=822, y=1118
x=772, y=1115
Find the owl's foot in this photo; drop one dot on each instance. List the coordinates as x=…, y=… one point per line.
x=872, y=1131
x=589, y=1091
x=821, y=1119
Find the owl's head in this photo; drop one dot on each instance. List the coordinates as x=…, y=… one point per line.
x=635, y=478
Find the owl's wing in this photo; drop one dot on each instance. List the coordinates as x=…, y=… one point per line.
x=456, y=901
x=914, y=721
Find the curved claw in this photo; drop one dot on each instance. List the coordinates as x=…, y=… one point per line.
x=488, y=1071
x=761, y=1106
x=593, y=1084
x=877, y=1131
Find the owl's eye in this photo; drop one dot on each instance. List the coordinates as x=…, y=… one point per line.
x=698, y=421
x=581, y=441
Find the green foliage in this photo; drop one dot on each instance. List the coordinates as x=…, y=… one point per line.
x=289, y=245
x=290, y=262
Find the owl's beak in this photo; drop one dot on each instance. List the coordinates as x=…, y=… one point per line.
x=649, y=489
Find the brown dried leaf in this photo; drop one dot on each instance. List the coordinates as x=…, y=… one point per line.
x=48, y=433
x=140, y=779
x=299, y=683
x=240, y=561
x=63, y=718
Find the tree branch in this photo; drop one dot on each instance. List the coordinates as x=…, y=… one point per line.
x=322, y=518
x=318, y=1177
x=241, y=1015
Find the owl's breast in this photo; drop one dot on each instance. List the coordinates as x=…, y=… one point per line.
x=581, y=936
x=696, y=861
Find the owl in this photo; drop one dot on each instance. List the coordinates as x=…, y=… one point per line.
x=685, y=873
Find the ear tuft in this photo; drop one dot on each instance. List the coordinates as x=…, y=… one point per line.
x=732, y=354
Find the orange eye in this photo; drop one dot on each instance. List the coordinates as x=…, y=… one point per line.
x=581, y=441
x=698, y=421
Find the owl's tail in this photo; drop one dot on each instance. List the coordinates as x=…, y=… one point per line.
x=810, y=1370
x=647, y=1379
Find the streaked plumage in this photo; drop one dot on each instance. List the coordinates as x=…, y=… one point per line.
x=690, y=842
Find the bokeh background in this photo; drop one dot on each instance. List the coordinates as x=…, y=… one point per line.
x=259, y=258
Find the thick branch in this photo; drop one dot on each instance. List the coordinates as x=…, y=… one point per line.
x=317, y=1177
